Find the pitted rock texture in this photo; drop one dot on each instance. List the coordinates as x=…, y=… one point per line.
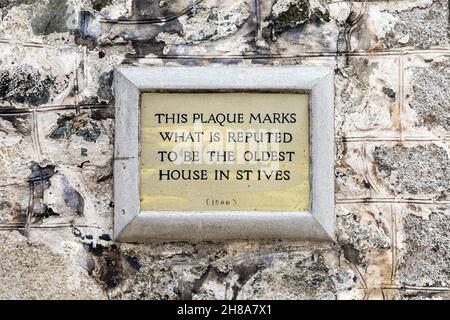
x=424, y=26
x=414, y=170
x=425, y=260
x=359, y=238
x=296, y=277
x=292, y=13
x=288, y=14
x=366, y=96
x=293, y=26
x=431, y=94
x=211, y=23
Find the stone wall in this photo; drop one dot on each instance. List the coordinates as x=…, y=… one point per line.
x=392, y=111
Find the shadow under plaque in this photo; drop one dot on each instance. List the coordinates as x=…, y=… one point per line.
x=224, y=153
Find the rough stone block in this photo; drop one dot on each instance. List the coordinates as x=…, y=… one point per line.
x=423, y=246
x=364, y=233
x=36, y=76
x=96, y=83
x=392, y=170
x=291, y=27
x=17, y=149
x=415, y=170
x=397, y=24
x=242, y=270
x=426, y=111
x=80, y=196
x=83, y=139
x=418, y=24
x=180, y=28
x=367, y=97
x=355, y=178
x=49, y=265
x=43, y=21
x=14, y=203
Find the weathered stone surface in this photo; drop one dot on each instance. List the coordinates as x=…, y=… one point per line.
x=359, y=236
x=354, y=176
x=34, y=77
x=105, y=90
x=233, y=271
x=70, y=132
x=96, y=86
x=393, y=294
x=295, y=277
x=391, y=125
x=418, y=169
x=429, y=92
x=51, y=16
x=396, y=24
x=39, y=21
x=16, y=148
x=14, y=203
x=367, y=97
x=211, y=22
x=365, y=235
x=423, y=26
x=80, y=196
x=424, y=257
x=47, y=266
x=366, y=170
x=292, y=27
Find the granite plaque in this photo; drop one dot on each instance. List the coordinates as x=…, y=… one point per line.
x=224, y=153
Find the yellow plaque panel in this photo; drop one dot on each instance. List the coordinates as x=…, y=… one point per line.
x=224, y=152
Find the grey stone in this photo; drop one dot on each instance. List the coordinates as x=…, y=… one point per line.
x=419, y=169
x=51, y=17
x=426, y=260
x=431, y=94
x=359, y=237
x=422, y=27
x=40, y=269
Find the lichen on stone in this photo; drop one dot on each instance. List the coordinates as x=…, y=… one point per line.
x=296, y=13
x=104, y=91
x=287, y=14
x=209, y=22
x=27, y=85
x=79, y=125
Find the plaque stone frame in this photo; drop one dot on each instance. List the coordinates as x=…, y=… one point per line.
x=133, y=225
